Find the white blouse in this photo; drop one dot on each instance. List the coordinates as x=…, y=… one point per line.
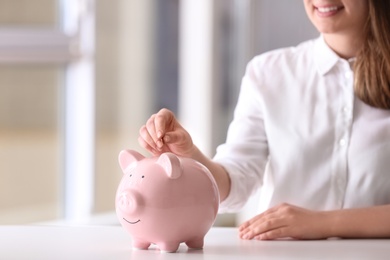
x=300, y=134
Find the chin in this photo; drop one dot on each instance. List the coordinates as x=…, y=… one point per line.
x=327, y=28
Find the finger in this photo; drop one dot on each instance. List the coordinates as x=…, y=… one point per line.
x=177, y=137
x=249, y=222
x=149, y=148
x=151, y=128
x=154, y=134
x=252, y=230
x=167, y=138
x=162, y=120
x=145, y=139
x=277, y=233
x=262, y=224
x=264, y=228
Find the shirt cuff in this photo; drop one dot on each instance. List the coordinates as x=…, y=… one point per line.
x=233, y=202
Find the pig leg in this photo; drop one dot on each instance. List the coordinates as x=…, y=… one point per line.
x=168, y=247
x=196, y=243
x=137, y=244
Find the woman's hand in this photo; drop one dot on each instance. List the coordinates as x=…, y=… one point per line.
x=163, y=133
x=285, y=221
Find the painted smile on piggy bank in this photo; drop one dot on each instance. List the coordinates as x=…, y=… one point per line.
x=135, y=222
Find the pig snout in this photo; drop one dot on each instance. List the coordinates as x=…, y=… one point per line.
x=129, y=202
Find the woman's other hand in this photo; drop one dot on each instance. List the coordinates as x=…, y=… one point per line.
x=286, y=221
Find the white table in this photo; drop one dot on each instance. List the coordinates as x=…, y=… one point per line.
x=111, y=242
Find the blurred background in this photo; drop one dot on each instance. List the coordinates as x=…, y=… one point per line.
x=78, y=78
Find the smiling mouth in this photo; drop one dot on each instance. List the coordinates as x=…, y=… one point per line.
x=328, y=9
x=131, y=222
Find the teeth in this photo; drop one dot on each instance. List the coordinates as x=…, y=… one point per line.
x=327, y=9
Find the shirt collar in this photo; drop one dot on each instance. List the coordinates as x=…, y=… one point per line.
x=324, y=57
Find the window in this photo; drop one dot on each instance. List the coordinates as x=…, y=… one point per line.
x=45, y=75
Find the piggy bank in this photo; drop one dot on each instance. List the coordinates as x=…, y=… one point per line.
x=165, y=200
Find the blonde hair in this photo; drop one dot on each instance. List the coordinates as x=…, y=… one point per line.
x=372, y=66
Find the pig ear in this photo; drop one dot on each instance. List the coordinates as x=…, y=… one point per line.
x=127, y=157
x=171, y=164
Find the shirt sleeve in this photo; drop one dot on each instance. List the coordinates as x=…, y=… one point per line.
x=245, y=152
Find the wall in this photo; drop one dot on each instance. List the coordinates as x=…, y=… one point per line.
x=125, y=77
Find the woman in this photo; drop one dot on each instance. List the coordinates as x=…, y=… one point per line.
x=311, y=127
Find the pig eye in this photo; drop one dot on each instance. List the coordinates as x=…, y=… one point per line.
x=131, y=175
x=143, y=176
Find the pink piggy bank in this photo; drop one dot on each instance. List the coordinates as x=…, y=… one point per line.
x=165, y=200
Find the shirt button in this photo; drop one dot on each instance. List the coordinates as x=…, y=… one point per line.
x=347, y=114
x=343, y=142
